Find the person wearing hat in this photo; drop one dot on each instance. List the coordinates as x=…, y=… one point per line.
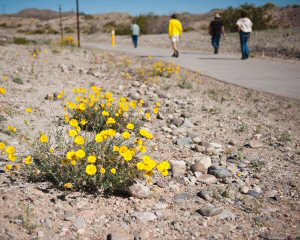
x=216, y=29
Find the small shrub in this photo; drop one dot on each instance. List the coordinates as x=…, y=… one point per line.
x=18, y=80
x=88, y=17
x=108, y=159
x=286, y=137
x=68, y=41
x=68, y=30
x=91, y=29
x=189, y=29
x=21, y=40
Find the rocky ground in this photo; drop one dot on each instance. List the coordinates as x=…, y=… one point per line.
x=234, y=152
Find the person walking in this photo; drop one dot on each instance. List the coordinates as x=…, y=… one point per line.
x=135, y=34
x=175, y=32
x=216, y=29
x=244, y=25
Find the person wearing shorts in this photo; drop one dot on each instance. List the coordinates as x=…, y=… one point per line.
x=175, y=32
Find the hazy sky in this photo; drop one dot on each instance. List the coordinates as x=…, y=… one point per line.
x=134, y=7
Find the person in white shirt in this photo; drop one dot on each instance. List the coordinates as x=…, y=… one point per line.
x=244, y=25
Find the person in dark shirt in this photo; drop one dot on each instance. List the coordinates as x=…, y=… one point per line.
x=216, y=29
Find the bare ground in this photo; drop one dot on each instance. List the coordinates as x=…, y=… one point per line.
x=216, y=112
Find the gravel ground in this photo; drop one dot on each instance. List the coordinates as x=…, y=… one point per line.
x=247, y=141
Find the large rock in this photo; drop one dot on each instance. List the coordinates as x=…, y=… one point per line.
x=187, y=141
x=198, y=167
x=177, y=121
x=119, y=235
x=219, y=171
x=209, y=211
x=139, y=190
x=205, y=160
x=255, y=144
x=207, y=178
x=178, y=168
x=144, y=216
x=204, y=194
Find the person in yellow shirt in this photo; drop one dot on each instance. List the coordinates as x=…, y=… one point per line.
x=175, y=32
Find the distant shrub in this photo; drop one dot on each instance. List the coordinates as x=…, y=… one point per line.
x=258, y=15
x=188, y=29
x=91, y=29
x=88, y=17
x=120, y=29
x=68, y=41
x=18, y=80
x=68, y=30
x=21, y=40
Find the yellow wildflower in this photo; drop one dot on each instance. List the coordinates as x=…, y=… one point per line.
x=113, y=171
x=130, y=126
x=163, y=167
x=116, y=148
x=12, y=157
x=8, y=167
x=73, y=133
x=148, y=116
x=72, y=105
x=127, y=156
x=126, y=135
x=10, y=150
x=2, y=145
x=29, y=110
x=83, y=122
x=102, y=170
x=91, y=169
x=51, y=150
x=28, y=160
x=73, y=122
x=99, y=138
x=44, y=138
x=17, y=167
x=79, y=140
x=82, y=106
x=71, y=155
x=12, y=128
x=156, y=110
x=2, y=90
x=68, y=185
x=61, y=95
x=73, y=162
x=80, y=153
x=111, y=121
x=92, y=159
x=105, y=113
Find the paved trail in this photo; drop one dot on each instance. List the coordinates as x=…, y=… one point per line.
x=275, y=77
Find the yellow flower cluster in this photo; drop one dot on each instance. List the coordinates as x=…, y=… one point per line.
x=103, y=135
x=103, y=146
x=10, y=151
x=145, y=133
x=12, y=129
x=68, y=41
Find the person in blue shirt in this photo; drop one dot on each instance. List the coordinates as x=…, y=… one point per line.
x=135, y=34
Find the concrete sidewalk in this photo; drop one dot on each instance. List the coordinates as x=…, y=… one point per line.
x=275, y=77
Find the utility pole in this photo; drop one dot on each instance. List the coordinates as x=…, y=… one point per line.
x=78, y=28
x=61, y=26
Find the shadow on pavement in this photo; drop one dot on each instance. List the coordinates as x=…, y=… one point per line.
x=211, y=58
